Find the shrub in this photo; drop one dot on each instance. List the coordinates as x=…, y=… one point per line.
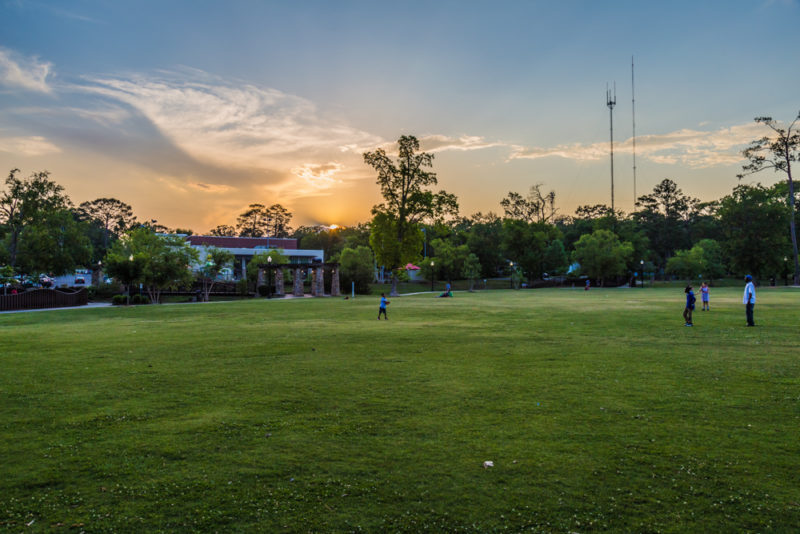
x=241, y=287
x=118, y=300
x=104, y=291
x=263, y=290
x=140, y=299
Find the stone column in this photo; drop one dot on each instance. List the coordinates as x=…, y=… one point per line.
x=297, y=288
x=313, y=282
x=260, y=280
x=335, y=291
x=320, y=282
x=279, y=282
x=244, y=269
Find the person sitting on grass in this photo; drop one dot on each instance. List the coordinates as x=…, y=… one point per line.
x=687, y=312
x=382, y=309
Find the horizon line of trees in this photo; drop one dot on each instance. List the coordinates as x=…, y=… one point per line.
x=668, y=232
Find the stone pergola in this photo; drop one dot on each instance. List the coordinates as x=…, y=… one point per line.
x=317, y=277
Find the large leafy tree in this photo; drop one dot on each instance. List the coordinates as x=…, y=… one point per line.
x=253, y=222
x=158, y=262
x=55, y=243
x=329, y=240
x=666, y=215
x=449, y=258
x=27, y=202
x=602, y=255
x=778, y=152
x=259, y=220
x=535, y=207
x=357, y=268
x=533, y=247
x=278, y=219
x=754, y=219
x=483, y=236
x=223, y=230
x=396, y=237
x=113, y=216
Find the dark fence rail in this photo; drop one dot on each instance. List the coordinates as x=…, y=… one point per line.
x=44, y=298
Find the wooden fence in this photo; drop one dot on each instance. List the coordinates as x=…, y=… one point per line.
x=44, y=298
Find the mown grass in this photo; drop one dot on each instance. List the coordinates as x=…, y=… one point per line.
x=600, y=411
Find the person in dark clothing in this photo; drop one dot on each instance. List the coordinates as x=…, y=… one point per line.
x=687, y=312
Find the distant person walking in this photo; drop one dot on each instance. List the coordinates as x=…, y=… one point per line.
x=704, y=297
x=382, y=309
x=690, y=300
x=749, y=299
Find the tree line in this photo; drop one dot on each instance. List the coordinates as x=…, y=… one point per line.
x=750, y=230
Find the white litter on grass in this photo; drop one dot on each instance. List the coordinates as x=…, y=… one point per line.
x=487, y=464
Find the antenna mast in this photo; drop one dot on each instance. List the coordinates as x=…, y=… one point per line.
x=611, y=101
x=633, y=109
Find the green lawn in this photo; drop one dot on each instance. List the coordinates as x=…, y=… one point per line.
x=600, y=411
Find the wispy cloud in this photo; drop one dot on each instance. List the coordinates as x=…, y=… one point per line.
x=28, y=146
x=210, y=188
x=233, y=125
x=694, y=148
x=442, y=143
x=26, y=73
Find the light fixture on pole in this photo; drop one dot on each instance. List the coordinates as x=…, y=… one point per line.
x=432, y=264
x=269, y=277
x=641, y=262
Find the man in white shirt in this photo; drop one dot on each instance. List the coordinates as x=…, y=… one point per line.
x=749, y=299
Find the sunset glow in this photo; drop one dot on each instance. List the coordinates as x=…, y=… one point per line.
x=272, y=104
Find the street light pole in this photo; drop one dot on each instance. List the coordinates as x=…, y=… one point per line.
x=269, y=277
x=641, y=263
x=432, y=264
x=511, y=276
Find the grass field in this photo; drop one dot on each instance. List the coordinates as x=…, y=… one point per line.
x=600, y=411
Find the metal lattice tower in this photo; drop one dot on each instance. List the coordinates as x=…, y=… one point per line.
x=633, y=110
x=611, y=101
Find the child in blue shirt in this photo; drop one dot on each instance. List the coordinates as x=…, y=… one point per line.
x=687, y=312
x=382, y=309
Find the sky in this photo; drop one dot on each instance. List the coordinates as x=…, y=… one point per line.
x=190, y=110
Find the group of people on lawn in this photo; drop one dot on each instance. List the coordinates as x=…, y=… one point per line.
x=749, y=301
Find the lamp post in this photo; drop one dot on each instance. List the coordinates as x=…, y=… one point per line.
x=128, y=303
x=641, y=263
x=269, y=277
x=432, y=264
x=511, y=275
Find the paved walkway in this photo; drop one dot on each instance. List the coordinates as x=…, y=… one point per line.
x=90, y=305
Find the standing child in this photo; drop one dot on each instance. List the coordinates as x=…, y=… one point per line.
x=690, y=300
x=704, y=295
x=382, y=309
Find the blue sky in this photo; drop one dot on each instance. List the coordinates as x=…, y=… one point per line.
x=189, y=111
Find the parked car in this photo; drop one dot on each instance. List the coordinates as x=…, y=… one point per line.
x=80, y=280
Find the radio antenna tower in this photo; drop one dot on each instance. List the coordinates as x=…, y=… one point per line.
x=633, y=109
x=611, y=101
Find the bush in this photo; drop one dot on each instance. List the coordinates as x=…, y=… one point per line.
x=140, y=299
x=242, y=288
x=118, y=300
x=263, y=290
x=103, y=291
